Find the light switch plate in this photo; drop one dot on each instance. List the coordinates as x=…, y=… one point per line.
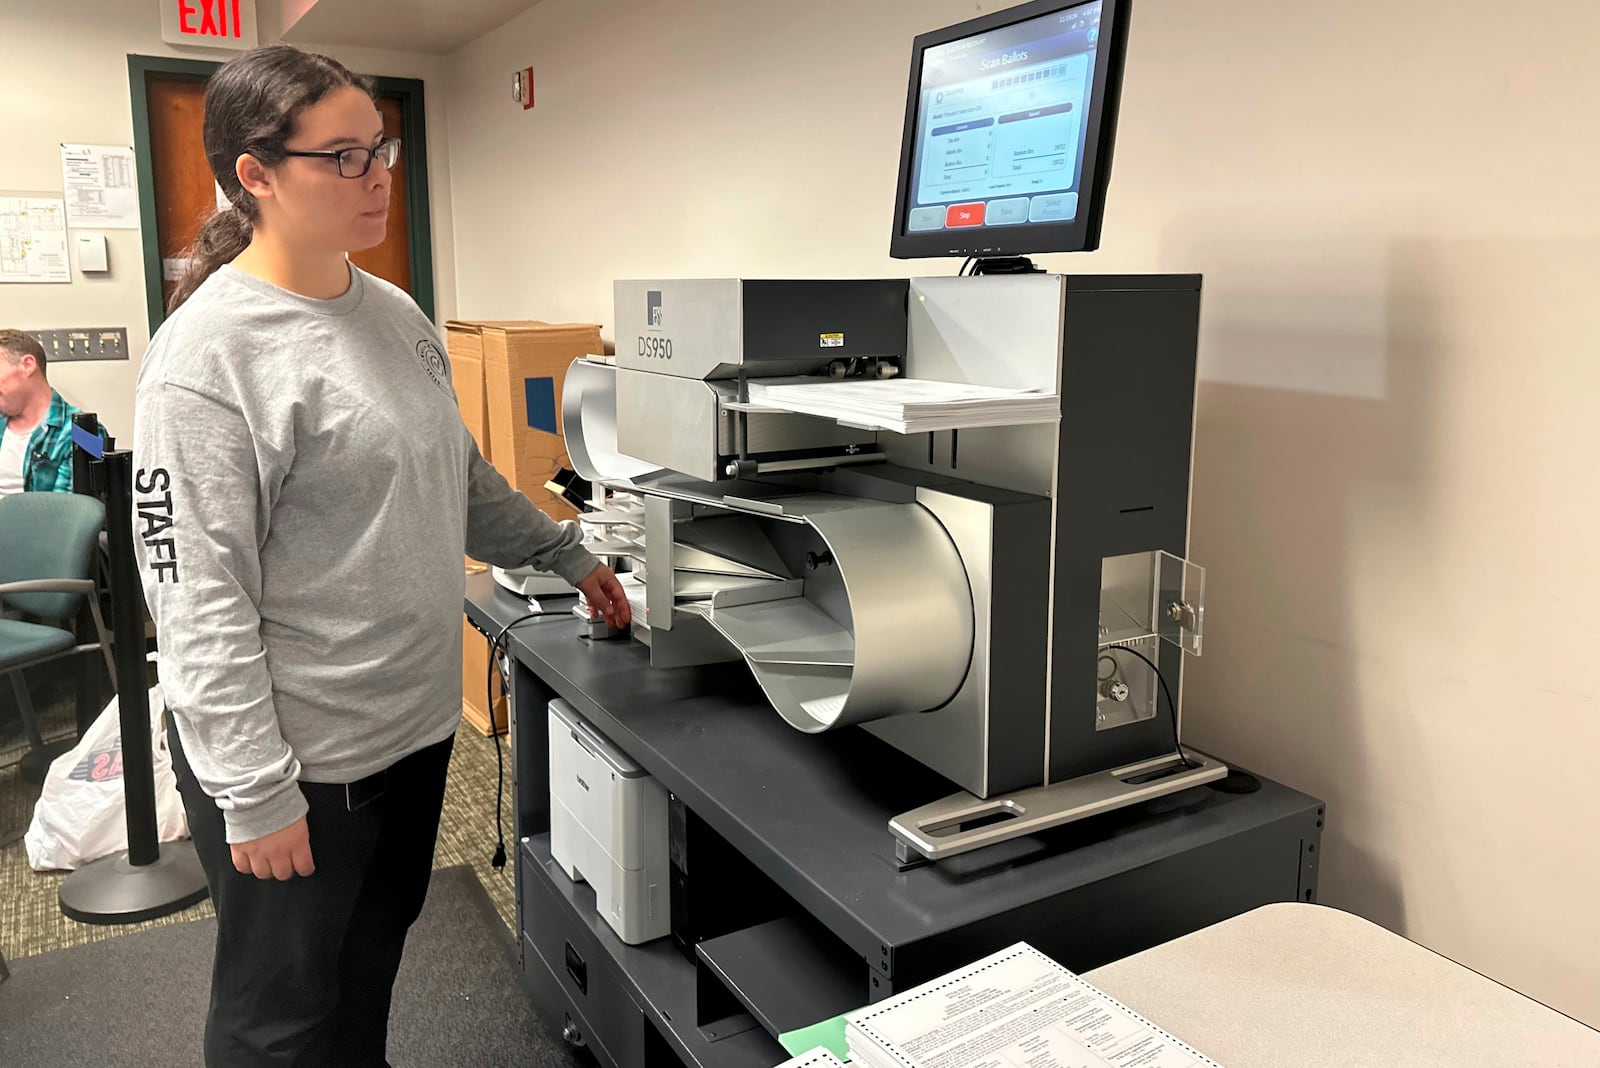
x=84, y=343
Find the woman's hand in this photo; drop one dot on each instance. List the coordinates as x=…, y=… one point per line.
x=606, y=597
x=280, y=855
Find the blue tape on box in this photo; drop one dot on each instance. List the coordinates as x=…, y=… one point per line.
x=541, y=395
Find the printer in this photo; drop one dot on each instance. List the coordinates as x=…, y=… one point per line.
x=608, y=827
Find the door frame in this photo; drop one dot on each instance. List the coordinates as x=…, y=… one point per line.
x=414, y=157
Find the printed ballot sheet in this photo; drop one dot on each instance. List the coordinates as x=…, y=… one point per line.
x=1016, y=1009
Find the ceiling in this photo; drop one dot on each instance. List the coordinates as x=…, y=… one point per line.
x=401, y=25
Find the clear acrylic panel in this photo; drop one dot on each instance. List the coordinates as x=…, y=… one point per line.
x=1154, y=593
x=1145, y=599
x=1181, y=604
x=1127, y=598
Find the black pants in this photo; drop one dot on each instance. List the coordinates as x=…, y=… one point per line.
x=304, y=968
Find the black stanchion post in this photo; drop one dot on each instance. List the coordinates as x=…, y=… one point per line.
x=87, y=476
x=133, y=702
x=151, y=879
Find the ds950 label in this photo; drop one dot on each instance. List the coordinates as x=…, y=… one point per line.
x=658, y=348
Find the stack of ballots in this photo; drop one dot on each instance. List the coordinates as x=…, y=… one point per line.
x=632, y=588
x=909, y=405
x=1017, y=1007
x=617, y=533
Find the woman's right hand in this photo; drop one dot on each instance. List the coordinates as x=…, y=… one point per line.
x=280, y=855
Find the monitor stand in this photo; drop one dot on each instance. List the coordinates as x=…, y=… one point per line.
x=1006, y=265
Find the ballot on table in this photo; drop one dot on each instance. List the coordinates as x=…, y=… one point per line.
x=1017, y=1007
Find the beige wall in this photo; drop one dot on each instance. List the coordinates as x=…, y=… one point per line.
x=65, y=78
x=1392, y=206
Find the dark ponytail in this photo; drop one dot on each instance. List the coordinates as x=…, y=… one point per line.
x=222, y=237
x=251, y=106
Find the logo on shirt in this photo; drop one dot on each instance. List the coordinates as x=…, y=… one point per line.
x=434, y=363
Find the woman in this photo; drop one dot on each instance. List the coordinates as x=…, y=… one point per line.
x=305, y=493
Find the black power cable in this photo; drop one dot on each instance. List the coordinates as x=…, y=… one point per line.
x=497, y=649
x=1171, y=706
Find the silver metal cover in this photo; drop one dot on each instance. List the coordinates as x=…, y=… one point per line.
x=885, y=629
x=954, y=741
x=687, y=328
x=668, y=421
x=996, y=330
x=589, y=425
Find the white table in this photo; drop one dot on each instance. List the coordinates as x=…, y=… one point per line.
x=1306, y=986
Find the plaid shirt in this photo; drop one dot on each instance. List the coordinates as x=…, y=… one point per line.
x=47, y=465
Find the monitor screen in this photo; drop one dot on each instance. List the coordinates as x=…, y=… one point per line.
x=1009, y=123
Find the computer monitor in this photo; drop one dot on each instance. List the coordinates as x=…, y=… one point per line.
x=1008, y=131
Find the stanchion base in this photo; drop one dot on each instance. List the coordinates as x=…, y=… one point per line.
x=35, y=763
x=112, y=891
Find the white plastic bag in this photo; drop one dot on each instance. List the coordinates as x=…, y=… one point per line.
x=81, y=816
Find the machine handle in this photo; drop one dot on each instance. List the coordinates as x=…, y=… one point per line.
x=577, y=969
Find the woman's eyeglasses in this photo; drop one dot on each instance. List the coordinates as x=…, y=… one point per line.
x=356, y=162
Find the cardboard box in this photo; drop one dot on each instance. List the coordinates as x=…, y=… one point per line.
x=474, y=673
x=508, y=377
x=464, y=346
x=524, y=367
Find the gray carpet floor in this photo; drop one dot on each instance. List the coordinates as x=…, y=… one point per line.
x=140, y=999
x=458, y=1000
x=31, y=921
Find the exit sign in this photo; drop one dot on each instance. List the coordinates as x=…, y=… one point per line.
x=213, y=23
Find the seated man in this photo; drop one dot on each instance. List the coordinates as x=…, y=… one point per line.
x=35, y=421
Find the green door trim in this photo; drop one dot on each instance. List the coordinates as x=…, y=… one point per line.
x=414, y=153
x=139, y=69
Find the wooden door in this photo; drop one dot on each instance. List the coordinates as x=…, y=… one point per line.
x=185, y=192
x=391, y=260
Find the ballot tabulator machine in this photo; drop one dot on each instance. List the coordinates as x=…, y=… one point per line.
x=910, y=560
x=993, y=580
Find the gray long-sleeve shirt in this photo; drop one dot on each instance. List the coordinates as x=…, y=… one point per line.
x=305, y=491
